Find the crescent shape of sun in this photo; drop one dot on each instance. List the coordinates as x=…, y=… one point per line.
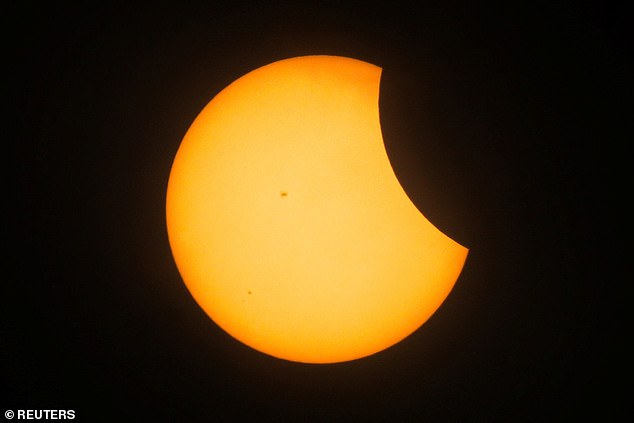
x=288, y=225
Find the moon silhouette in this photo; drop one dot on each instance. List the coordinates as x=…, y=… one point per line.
x=288, y=225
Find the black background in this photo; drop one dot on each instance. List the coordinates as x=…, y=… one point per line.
x=501, y=123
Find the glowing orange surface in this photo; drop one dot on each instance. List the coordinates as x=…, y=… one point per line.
x=288, y=225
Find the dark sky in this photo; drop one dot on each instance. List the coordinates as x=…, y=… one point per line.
x=501, y=123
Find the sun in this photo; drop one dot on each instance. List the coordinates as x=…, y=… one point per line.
x=288, y=225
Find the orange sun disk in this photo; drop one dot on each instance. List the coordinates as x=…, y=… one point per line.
x=288, y=225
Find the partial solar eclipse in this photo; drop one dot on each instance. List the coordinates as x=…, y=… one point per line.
x=288, y=225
